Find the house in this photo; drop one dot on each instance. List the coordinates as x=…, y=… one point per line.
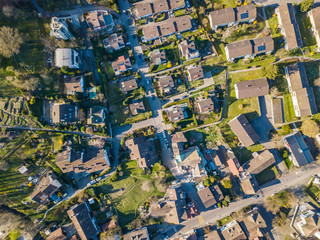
x=172, y=207
x=111, y=224
x=289, y=26
x=73, y=85
x=176, y=4
x=183, y=24
x=58, y=234
x=166, y=84
x=100, y=21
x=277, y=110
x=233, y=231
x=217, y=193
x=143, y=151
x=207, y=197
x=215, y=156
x=67, y=57
x=158, y=57
x=188, y=49
x=230, y=16
x=121, y=65
x=150, y=32
x=177, y=113
x=140, y=234
x=191, y=162
x=96, y=115
x=91, y=160
x=214, y=235
x=248, y=183
x=85, y=224
x=195, y=73
x=314, y=15
x=63, y=113
x=166, y=29
x=244, y=131
x=260, y=162
x=254, y=225
x=59, y=29
x=303, y=99
x=128, y=85
x=251, y=88
x=45, y=188
x=249, y=48
x=114, y=43
x=142, y=10
x=205, y=105
x=137, y=107
x=160, y=6
x=178, y=141
x=233, y=163
x=299, y=151
x=309, y=224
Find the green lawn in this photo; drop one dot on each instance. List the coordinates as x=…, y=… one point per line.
x=267, y=175
x=255, y=148
x=289, y=114
x=248, y=106
x=313, y=191
x=305, y=29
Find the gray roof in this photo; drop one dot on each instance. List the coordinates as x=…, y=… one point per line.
x=252, y=88
x=298, y=148
x=259, y=163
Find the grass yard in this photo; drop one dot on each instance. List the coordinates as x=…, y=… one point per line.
x=248, y=106
x=267, y=175
x=305, y=29
x=289, y=114
x=255, y=148
x=313, y=191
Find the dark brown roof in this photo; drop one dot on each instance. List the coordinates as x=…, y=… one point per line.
x=176, y=113
x=142, y=9
x=306, y=101
x=140, y=234
x=277, y=110
x=151, y=31
x=143, y=151
x=297, y=76
x=90, y=160
x=167, y=28
x=137, y=107
x=252, y=88
x=233, y=231
x=82, y=220
x=246, y=12
x=58, y=234
x=244, y=131
x=108, y=225
x=160, y=6
x=217, y=193
x=183, y=23
x=158, y=56
x=166, y=82
x=260, y=162
x=175, y=4
x=290, y=26
x=195, y=73
x=207, y=197
x=264, y=44
x=205, y=105
x=188, y=49
x=129, y=85
x=72, y=85
x=222, y=16
x=214, y=235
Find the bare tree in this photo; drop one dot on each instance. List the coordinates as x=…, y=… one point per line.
x=10, y=41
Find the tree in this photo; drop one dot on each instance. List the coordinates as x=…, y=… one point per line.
x=305, y=5
x=270, y=71
x=207, y=182
x=274, y=92
x=10, y=41
x=226, y=183
x=81, y=115
x=310, y=128
x=280, y=219
x=316, y=82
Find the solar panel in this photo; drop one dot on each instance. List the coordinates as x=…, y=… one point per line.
x=262, y=48
x=244, y=15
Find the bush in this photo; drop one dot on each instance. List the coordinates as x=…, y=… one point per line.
x=225, y=203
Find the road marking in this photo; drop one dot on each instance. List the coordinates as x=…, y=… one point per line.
x=201, y=220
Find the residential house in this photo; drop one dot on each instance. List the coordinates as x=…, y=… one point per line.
x=100, y=21
x=73, y=85
x=142, y=10
x=205, y=105
x=166, y=84
x=210, y=196
x=47, y=186
x=176, y=4
x=214, y=235
x=244, y=131
x=277, y=110
x=251, y=88
x=177, y=113
x=178, y=141
x=67, y=57
x=166, y=29
x=91, y=160
x=121, y=65
x=309, y=224
x=63, y=113
x=254, y=225
x=217, y=193
x=191, y=162
x=137, y=107
x=188, y=49
x=314, y=15
x=233, y=163
x=230, y=16
x=172, y=207
x=59, y=29
x=96, y=115
x=160, y=6
x=128, y=85
x=260, y=162
x=233, y=231
x=249, y=48
x=140, y=234
x=114, y=43
x=143, y=151
x=111, y=224
x=248, y=183
x=151, y=32
x=183, y=24
x=303, y=100
x=299, y=151
x=289, y=26
x=216, y=156
x=58, y=234
x=158, y=57
x=86, y=225
x=195, y=73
